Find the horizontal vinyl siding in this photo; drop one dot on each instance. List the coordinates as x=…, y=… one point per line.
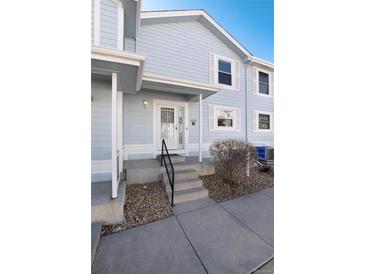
x=92, y=21
x=101, y=177
x=182, y=50
x=137, y=120
x=108, y=23
x=257, y=103
x=101, y=115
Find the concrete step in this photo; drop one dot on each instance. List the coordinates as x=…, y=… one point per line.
x=95, y=236
x=175, y=158
x=181, y=175
x=188, y=195
x=184, y=184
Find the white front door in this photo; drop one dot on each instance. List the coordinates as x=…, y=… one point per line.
x=171, y=126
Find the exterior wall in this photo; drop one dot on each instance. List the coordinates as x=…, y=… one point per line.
x=108, y=24
x=92, y=21
x=182, y=50
x=178, y=50
x=137, y=120
x=101, y=145
x=257, y=102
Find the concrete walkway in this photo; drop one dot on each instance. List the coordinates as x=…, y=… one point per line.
x=201, y=237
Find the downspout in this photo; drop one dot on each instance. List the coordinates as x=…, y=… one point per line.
x=249, y=62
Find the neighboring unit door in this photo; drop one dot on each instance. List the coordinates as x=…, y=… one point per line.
x=171, y=126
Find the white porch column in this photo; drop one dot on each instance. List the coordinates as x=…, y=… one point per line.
x=120, y=128
x=114, y=136
x=200, y=126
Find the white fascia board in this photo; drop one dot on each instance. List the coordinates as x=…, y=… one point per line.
x=165, y=14
x=117, y=56
x=262, y=62
x=158, y=78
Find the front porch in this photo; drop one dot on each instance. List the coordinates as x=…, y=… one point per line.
x=150, y=170
x=105, y=209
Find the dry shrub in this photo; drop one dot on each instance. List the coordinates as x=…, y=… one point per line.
x=231, y=159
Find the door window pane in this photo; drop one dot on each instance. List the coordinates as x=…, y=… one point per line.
x=167, y=115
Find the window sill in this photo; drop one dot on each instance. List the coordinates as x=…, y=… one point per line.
x=264, y=95
x=223, y=86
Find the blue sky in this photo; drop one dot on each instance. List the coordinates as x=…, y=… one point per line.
x=251, y=22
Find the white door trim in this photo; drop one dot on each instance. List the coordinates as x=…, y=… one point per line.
x=156, y=103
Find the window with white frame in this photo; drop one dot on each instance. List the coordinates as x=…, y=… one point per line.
x=263, y=82
x=263, y=121
x=224, y=118
x=224, y=72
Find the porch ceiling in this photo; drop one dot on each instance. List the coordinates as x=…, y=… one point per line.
x=128, y=66
x=180, y=86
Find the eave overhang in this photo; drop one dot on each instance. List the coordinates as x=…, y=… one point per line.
x=128, y=66
x=188, y=88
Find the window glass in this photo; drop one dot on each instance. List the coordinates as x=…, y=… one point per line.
x=225, y=118
x=264, y=121
x=224, y=66
x=263, y=83
x=224, y=73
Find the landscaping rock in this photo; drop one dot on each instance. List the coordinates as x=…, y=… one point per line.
x=145, y=203
x=221, y=191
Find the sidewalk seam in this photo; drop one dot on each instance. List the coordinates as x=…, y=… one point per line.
x=190, y=243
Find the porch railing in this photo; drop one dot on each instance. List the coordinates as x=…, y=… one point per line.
x=170, y=176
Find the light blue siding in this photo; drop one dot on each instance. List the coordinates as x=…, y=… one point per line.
x=101, y=177
x=182, y=50
x=92, y=21
x=108, y=24
x=257, y=103
x=101, y=124
x=137, y=120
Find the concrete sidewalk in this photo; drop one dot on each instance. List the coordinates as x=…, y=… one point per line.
x=201, y=237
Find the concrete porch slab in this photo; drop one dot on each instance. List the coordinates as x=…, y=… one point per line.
x=104, y=209
x=222, y=242
x=159, y=247
x=256, y=211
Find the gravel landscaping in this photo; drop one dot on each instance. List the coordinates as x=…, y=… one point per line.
x=145, y=203
x=220, y=191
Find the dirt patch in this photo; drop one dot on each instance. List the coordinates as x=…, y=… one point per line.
x=145, y=204
x=220, y=191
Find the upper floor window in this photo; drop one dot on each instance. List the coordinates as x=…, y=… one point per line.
x=263, y=82
x=224, y=71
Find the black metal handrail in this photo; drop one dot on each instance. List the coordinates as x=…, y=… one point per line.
x=171, y=178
